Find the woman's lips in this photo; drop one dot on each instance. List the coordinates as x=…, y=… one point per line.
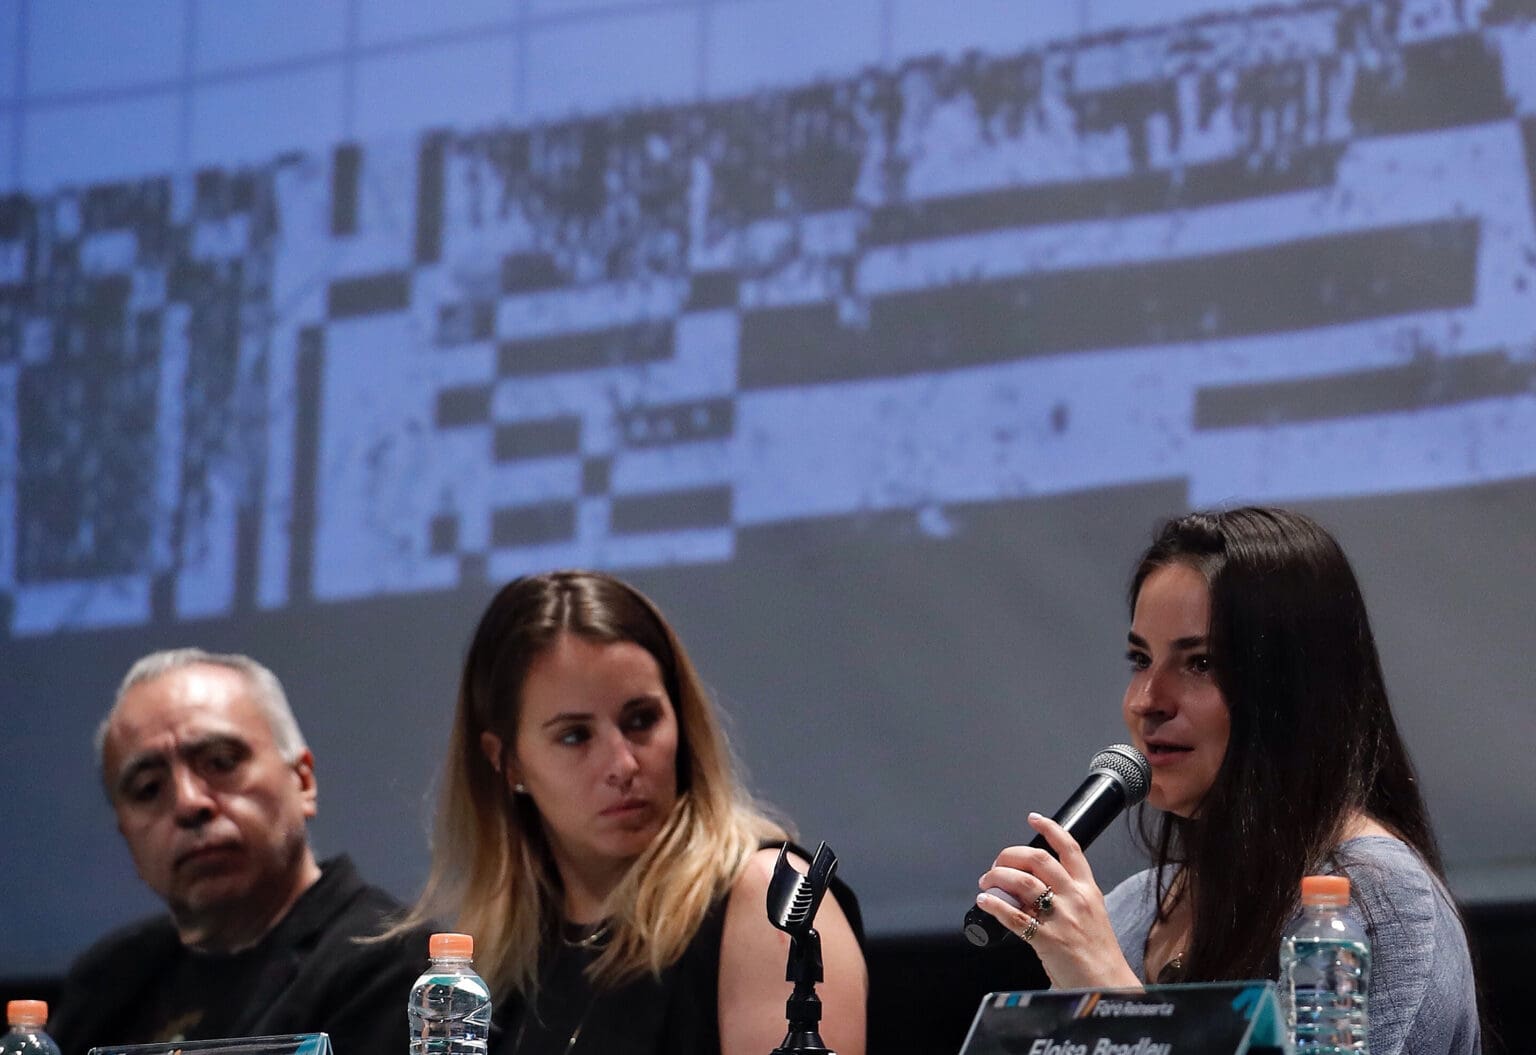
x=628, y=806
x=1166, y=754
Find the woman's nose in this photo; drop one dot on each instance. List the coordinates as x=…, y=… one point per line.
x=622, y=763
x=1152, y=695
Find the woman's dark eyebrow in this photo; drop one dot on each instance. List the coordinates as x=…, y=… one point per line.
x=1180, y=644
x=567, y=716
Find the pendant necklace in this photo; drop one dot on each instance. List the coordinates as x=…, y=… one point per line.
x=595, y=940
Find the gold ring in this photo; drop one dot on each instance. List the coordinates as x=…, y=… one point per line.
x=1044, y=900
x=1030, y=929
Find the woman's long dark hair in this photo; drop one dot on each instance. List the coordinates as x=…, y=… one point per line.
x=1312, y=738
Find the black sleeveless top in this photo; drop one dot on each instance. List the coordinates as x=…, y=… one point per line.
x=677, y=1013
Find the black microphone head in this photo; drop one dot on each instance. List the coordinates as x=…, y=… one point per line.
x=1127, y=765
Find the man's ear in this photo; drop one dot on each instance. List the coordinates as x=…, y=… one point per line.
x=304, y=768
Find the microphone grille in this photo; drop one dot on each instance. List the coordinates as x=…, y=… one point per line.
x=1127, y=764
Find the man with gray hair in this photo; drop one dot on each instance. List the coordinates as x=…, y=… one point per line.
x=213, y=786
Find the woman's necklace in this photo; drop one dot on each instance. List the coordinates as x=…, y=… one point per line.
x=570, y=1042
x=595, y=940
x=1173, y=970
x=1173, y=926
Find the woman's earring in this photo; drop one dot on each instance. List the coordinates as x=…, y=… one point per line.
x=521, y=789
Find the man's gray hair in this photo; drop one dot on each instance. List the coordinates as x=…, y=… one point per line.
x=266, y=690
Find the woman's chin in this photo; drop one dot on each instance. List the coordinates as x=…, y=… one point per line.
x=1170, y=803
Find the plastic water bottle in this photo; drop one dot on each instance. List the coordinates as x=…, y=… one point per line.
x=1325, y=972
x=26, y=1019
x=450, y=1006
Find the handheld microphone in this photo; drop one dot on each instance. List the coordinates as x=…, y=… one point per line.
x=1118, y=777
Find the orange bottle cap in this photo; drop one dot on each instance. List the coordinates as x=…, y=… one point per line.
x=26, y=1012
x=1325, y=890
x=448, y=944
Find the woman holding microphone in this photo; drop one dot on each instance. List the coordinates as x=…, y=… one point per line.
x=1256, y=693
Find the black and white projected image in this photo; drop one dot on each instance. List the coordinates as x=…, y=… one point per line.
x=624, y=340
x=924, y=311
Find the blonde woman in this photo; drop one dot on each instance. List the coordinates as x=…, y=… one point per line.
x=594, y=839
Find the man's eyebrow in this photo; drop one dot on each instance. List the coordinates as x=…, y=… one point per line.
x=207, y=740
x=136, y=765
x=188, y=749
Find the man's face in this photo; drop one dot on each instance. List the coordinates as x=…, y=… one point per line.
x=212, y=813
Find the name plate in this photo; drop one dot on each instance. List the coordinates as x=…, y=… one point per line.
x=1225, y=1018
x=289, y=1044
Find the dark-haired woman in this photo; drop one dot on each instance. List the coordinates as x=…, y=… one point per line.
x=595, y=841
x=1257, y=695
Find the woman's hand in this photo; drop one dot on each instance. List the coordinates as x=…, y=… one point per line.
x=1063, y=915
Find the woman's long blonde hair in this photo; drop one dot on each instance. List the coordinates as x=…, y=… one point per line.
x=492, y=870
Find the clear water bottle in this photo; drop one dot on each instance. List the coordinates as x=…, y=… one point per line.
x=450, y=1006
x=26, y=1019
x=1325, y=972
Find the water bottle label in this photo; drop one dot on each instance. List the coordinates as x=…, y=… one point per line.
x=450, y=1014
x=1324, y=982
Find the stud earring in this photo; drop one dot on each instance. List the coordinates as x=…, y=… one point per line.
x=521, y=789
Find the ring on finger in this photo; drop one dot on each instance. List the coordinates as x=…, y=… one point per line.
x=1044, y=900
x=1030, y=929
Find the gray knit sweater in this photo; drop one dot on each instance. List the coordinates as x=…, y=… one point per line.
x=1422, y=998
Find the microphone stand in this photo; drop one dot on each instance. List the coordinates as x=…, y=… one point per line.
x=792, y=903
